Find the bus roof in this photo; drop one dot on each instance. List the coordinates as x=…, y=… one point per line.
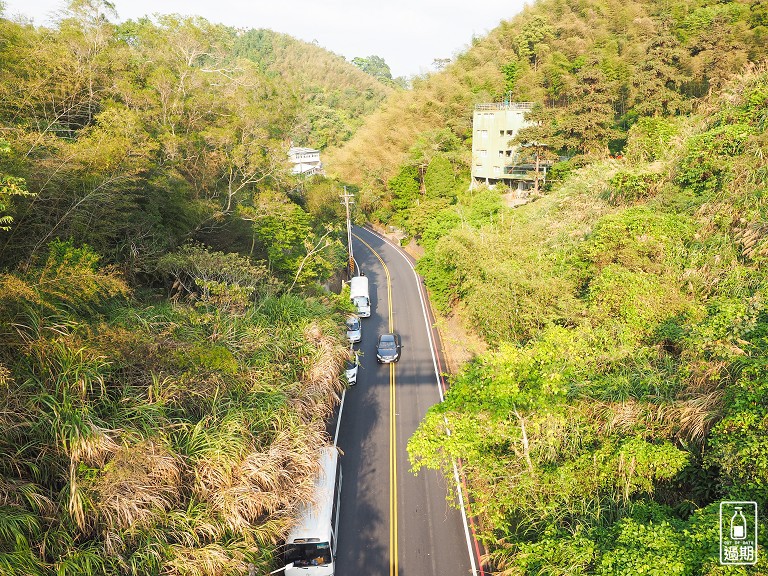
x=314, y=518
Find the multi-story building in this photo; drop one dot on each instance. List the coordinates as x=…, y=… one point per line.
x=494, y=159
x=305, y=160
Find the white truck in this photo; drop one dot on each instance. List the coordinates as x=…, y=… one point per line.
x=361, y=298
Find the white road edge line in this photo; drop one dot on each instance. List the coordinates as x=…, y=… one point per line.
x=456, y=478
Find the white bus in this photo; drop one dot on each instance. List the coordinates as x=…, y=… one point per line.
x=310, y=548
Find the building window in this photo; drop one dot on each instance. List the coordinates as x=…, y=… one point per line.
x=484, y=135
x=482, y=153
x=510, y=132
x=497, y=169
x=501, y=153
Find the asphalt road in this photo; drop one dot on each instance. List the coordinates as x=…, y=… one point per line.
x=392, y=522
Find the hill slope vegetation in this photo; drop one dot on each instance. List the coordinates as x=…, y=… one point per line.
x=167, y=358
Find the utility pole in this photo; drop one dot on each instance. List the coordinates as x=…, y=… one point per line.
x=349, y=199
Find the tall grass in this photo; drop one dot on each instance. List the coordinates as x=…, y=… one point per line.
x=175, y=438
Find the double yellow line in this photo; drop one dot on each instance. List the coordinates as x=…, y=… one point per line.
x=393, y=567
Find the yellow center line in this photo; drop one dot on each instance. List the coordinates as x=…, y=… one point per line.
x=393, y=564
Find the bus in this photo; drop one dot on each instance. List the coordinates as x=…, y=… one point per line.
x=310, y=548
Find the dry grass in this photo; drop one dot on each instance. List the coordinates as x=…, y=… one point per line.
x=94, y=449
x=24, y=494
x=268, y=483
x=687, y=419
x=139, y=481
x=210, y=560
x=321, y=384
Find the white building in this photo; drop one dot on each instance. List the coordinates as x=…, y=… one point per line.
x=305, y=160
x=494, y=159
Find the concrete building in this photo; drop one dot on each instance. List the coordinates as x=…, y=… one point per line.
x=494, y=159
x=305, y=160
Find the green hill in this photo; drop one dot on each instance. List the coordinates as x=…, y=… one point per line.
x=625, y=396
x=624, y=393
x=168, y=359
x=335, y=95
x=625, y=59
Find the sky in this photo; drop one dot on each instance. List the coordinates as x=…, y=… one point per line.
x=408, y=34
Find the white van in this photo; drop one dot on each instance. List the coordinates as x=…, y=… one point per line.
x=310, y=548
x=358, y=293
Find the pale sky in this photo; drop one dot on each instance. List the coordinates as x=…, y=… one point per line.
x=408, y=34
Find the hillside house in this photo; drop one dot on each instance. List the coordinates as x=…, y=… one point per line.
x=494, y=159
x=305, y=160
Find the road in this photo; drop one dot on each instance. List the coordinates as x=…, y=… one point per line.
x=392, y=522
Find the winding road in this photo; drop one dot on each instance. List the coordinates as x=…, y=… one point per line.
x=392, y=522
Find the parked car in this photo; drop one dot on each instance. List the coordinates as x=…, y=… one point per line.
x=351, y=367
x=354, y=329
x=388, y=348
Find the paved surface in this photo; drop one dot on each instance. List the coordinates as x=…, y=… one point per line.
x=392, y=522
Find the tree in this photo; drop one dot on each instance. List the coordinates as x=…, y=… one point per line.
x=659, y=79
x=532, y=40
x=587, y=123
x=376, y=67
x=511, y=71
x=439, y=179
x=537, y=143
x=404, y=187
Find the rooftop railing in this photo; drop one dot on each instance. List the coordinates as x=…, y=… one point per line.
x=505, y=106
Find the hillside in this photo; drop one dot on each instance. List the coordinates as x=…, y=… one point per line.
x=168, y=358
x=335, y=95
x=626, y=395
x=627, y=59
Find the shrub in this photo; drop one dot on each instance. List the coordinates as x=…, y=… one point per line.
x=631, y=186
x=706, y=165
x=649, y=139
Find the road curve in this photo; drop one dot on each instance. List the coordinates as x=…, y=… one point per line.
x=392, y=522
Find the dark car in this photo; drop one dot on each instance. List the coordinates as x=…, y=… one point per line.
x=388, y=348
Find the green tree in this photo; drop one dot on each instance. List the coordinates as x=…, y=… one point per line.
x=538, y=143
x=587, y=123
x=658, y=82
x=376, y=66
x=511, y=71
x=10, y=186
x=439, y=179
x=532, y=40
x=404, y=187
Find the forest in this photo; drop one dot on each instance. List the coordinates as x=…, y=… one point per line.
x=168, y=354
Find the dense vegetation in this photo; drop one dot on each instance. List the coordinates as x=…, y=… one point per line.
x=595, y=66
x=167, y=359
x=627, y=391
x=335, y=97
